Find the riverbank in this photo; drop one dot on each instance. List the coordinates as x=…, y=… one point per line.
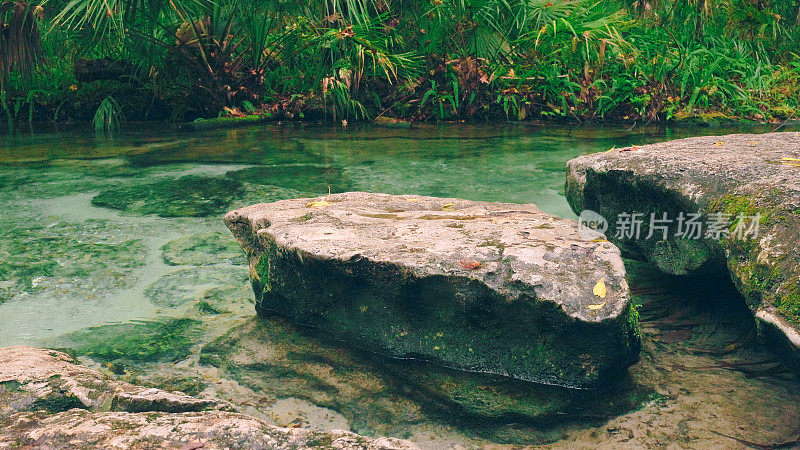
x=415, y=61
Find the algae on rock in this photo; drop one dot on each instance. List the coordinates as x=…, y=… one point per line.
x=188, y=196
x=746, y=193
x=388, y=273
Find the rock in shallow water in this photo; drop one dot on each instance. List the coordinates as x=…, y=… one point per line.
x=49, y=401
x=483, y=287
x=727, y=180
x=188, y=196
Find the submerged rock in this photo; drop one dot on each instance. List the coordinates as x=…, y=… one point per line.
x=47, y=400
x=241, y=146
x=746, y=191
x=188, y=196
x=64, y=257
x=197, y=283
x=201, y=249
x=309, y=179
x=482, y=287
x=388, y=396
x=169, y=339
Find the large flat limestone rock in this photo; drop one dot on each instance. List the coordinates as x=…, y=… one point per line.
x=485, y=287
x=719, y=177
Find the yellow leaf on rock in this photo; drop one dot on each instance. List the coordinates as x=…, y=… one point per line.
x=412, y=199
x=786, y=158
x=718, y=144
x=318, y=204
x=599, y=290
x=448, y=206
x=597, y=306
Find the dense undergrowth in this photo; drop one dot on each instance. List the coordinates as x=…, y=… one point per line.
x=421, y=60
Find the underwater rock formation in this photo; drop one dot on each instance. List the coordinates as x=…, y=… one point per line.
x=482, y=287
x=743, y=190
x=188, y=196
x=47, y=400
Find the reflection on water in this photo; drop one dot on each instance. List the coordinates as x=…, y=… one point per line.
x=113, y=246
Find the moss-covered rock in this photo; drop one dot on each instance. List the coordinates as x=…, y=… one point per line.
x=214, y=284
x=200, y=249
x=309, y=179
x=189, y=196
x=167, y=340
x=33, y=254
x=49, y=400
x=228, y=122
x=380, y=395
x=241, y=147
x=745, y=193
x=482, y=287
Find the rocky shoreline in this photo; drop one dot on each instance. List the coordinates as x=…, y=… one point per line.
x=48, y=400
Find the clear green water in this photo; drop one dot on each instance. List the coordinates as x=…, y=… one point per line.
x=114, y=248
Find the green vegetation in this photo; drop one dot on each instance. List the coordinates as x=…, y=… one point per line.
x=308, y=179
x=188, y=196
x=702, y=61
x=136, y=341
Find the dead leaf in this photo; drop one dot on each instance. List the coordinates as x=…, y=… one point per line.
x=787, y=161
x=597, y=306
x=632, y=148
x=318, y=204
x=469, y=264
x=718, y=144
x=599, y=290
x=448, y=207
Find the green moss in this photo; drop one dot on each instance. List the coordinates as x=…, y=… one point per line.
x=214, y=284
x=70, y=250
x=634, y=330
x=11, y=386
x=305, y=217
x=136, y=341
x=735, y=204
x=444, y=327
x=200, y=249
x=259, y=277
x=58, y=403
x=789, y=304
x=705, y=119
x=189, y=196
x=206, y=308
x=309, y=179
x=229, y=122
